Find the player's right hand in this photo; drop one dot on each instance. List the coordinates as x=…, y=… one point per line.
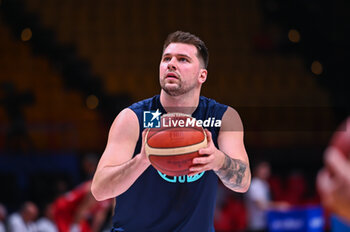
x=143, y=149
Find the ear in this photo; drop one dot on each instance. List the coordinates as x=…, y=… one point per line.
x=202, y=75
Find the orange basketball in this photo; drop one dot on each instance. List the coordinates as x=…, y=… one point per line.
x=172, y=147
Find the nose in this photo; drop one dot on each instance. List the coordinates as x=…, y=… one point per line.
x=171, y=64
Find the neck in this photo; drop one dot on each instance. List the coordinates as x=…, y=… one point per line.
x=186, y=103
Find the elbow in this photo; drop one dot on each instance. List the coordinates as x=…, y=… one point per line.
x=241, y=189
x=246, y=186
x=96, y=192
x=97, y=196
x=100, y=193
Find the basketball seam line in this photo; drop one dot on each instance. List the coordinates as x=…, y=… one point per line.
x=175, y=151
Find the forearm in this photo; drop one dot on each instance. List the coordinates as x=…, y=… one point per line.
x=235, y=174
x=113, y=180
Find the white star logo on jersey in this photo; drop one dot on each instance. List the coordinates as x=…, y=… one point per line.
x=151, y=119
x=156, y=115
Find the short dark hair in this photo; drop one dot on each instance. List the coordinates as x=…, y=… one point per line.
x=188, y=38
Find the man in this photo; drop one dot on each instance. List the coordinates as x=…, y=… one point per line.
x=46, y=223
x=258, y=198
x=78, y=211
x=24, y=220
x=148, y=200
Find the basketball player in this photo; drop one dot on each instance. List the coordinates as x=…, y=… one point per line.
x=78, y=211
x=148, y=200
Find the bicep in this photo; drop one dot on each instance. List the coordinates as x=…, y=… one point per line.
x=230, y=139
x=122, y=139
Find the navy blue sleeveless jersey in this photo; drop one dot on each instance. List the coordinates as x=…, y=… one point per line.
x=160, y=203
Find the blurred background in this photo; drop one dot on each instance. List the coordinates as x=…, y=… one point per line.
x=67, y=67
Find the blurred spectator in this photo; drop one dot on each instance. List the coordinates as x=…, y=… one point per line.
x=46, y=222
x=78, y=211
x=24, y=220
x=258, y=199
x=333, y=181
x=3, y=214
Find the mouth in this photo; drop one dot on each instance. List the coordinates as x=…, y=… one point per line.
x=171, y=76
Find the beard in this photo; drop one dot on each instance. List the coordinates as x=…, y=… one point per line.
x=176, y=89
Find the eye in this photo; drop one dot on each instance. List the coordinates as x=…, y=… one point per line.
x=166, y=58
x=182, y=59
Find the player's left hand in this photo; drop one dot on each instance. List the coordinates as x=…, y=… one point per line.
x=211, y=158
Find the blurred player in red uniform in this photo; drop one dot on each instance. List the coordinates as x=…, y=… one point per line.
x=78, y=211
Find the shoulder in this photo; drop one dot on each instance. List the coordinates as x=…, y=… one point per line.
x=231, y=112
x=255, y=186
x=257, y=183
x=43, y=222
x=211, y=107
x=125, y=127
x=125, y=119
x=14, y=218
x=2, y=227
x=231, y=121
x=126, y=115
x=211, y=102
x=141, y=105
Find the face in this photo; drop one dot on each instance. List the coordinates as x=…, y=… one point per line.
x=180, y=70
x=263, y=171
x=30, y=212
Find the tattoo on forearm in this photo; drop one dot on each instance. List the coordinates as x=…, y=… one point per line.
x=232, y=172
